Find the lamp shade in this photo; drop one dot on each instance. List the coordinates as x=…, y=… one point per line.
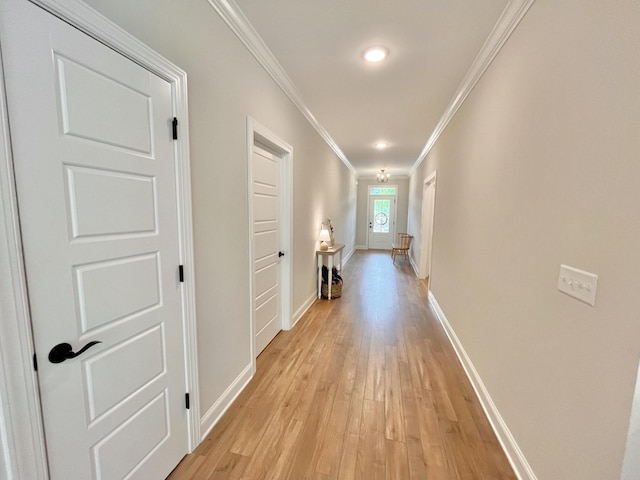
x=324, y=235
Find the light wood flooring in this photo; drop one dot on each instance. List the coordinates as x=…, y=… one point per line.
x=364, y=387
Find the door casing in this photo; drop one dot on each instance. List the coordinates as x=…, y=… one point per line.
x=427, y=224
x=394, y=208
x=19, y=398
x=261, y=136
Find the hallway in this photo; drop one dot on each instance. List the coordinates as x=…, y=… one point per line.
x=364, y=387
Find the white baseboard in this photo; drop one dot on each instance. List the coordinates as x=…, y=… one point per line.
x=303, y=309
x=221, y=405
x=361, y=247
x=414, y=266
x=348, y=256
x=312, y=298
x=515, y=456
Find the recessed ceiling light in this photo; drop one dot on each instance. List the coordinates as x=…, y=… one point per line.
x=381, y=145
x=375, y=54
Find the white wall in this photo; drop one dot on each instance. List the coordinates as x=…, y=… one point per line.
x=226, y=84
x=541, y=167
x=362, y=218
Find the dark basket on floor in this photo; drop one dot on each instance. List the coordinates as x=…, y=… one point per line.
x=336, y=290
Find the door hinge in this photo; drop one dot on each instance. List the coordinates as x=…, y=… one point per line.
x=181, y=273
x=35, y=362
x=186, y=401
x=175, y=128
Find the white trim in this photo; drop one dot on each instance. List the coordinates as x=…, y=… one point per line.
x=299, y=313
x=94, y=24
x=23, y=399
x=395, y=209
x=414, y=266
x=240, y=25
x=225, y=400
x=22, y=445
x=185, y=225
x=347, y=257
x=303, y=308
x=261, y=135
x=362, y=247
x=424, y=271
x=515, y=456
x=502, y=30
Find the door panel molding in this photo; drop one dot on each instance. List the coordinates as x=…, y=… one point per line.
x=19, y=392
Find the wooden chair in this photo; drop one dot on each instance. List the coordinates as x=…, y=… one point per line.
x=402, y=247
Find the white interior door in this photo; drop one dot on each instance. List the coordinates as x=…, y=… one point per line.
x=265, y=181
x=428, y=212
x=95, y=172
x=382, y=209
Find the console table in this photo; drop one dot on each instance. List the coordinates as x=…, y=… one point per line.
x=329, y=254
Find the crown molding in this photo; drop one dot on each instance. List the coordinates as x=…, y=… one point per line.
x=240, y=25
x=502, y=30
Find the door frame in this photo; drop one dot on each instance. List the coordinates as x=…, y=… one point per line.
x=22, y=450
x=395, y=209
x=260, y=136
x=631, y=459
x=427, y=221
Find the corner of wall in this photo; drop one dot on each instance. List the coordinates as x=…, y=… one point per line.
x=348, y=256
x=511, y=449
x=299, y=313
x=416, y=270
x=222, y=404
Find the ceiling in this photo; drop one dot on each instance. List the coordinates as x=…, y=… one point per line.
x=431, y=44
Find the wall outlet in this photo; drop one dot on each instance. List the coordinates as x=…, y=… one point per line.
x=578, y=284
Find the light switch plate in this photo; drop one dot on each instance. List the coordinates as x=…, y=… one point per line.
x=578, y=284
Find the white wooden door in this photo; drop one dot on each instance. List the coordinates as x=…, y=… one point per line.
x=428, y=212
x=265, y=181
x=382, y=210
x=95, y=172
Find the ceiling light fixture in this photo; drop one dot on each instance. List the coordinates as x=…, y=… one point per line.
x=383, y=177
x=375, y=54
x=381, y=145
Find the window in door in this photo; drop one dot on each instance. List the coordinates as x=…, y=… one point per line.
x=381, y=215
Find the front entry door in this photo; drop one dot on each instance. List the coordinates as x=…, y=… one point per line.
x=382, y=210
x=96, y=185
x=265, y=176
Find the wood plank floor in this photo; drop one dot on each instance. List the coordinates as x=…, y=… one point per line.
x=365, y=387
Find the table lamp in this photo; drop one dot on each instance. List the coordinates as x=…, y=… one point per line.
x=324, y=238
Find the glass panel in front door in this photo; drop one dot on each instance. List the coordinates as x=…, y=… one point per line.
x=381, y=214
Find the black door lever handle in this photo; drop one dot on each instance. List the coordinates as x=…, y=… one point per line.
x=64, y=351
x=281, y=254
